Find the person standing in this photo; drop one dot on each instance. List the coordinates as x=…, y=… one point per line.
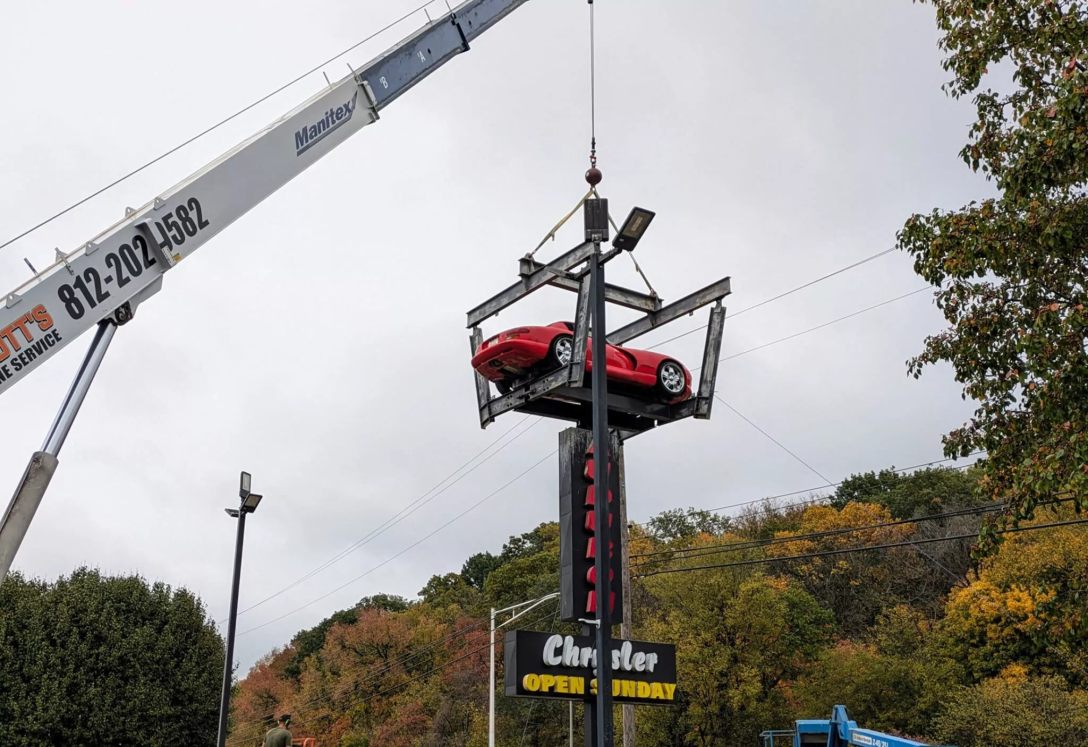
x=279, y=736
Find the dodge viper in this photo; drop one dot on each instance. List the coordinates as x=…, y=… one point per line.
x=525, y=352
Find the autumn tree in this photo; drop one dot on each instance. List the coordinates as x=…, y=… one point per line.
x=1016, y=711
x=893, y=680
x=740, y=637
x=1025, y=607
x=857, y=586
x=1010, y=271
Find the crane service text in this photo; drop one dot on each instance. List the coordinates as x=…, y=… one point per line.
x=17, y=350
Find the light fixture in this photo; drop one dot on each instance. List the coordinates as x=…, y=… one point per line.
x=243, y=489
x=249, y=505
x=633, y=228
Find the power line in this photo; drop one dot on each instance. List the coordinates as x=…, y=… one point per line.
x=801, y=504
x=837, y=484
x=405, y=512
x=773, y=439
x=849, y=550
x=815, y=501
x=810, y=283
x=821, y=326
x=394, y=557
x=215, y=126
x=754, y=544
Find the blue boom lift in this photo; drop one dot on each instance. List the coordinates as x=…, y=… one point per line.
x=838, y=731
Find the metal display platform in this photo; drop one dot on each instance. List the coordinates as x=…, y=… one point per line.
x=564, y=393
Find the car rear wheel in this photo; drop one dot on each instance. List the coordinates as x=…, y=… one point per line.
x=503, y=386
x=561, y=351
x=671, y=380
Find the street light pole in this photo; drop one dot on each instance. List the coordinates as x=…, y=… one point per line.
x=529, y=606
x=248, y=505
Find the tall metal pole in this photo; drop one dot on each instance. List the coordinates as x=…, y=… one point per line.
x=627, y=626
x=224, y=703
x=602, y=566
x=28, y=496
x=491, y=690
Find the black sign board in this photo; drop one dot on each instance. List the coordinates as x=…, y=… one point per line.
x=578, y=532
x=551, y=665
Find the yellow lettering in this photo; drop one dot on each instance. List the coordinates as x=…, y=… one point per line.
x=670, y=691
x=656, y=691
x=562, y=683
x=547, y=682
x=628, y=689
x=644, y=689
x=593, y=686
x=615, y=687
x=531, y=682
x=577, y=686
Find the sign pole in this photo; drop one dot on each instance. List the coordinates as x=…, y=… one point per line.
x=627, y=624
x=602, y=564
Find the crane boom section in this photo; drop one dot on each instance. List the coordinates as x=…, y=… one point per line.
x=106, y=277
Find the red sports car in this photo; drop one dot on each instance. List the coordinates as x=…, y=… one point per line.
x=525, y=352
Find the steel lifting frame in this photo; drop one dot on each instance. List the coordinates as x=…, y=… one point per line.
x=561, y=394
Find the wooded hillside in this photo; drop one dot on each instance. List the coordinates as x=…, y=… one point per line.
x=914, y=638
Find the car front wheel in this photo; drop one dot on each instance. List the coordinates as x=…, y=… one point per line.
x=671, y=381
x=561, y=351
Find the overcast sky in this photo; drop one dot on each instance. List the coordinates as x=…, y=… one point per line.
x=319, y=342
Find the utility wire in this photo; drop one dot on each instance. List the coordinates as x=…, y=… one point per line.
x=801, y=504
x=405, y=512
x=809, y=284
x=753, y=544
x=837, y=484
x=411, y=546
x=778, y=510
x=773, y=439
x=215, y=126
x=849, y=550
x=821, y=326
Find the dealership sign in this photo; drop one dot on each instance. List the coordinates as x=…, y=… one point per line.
x=564, y=667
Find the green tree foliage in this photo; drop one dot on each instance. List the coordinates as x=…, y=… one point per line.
x=923, y=493
x=1009, y=271
x=740, y=637
x=678, y=523
x=90, y=659
x=894, y=681
x=1017, y=712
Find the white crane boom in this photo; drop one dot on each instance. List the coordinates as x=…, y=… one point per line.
x=101, y=283
x=105, y=278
